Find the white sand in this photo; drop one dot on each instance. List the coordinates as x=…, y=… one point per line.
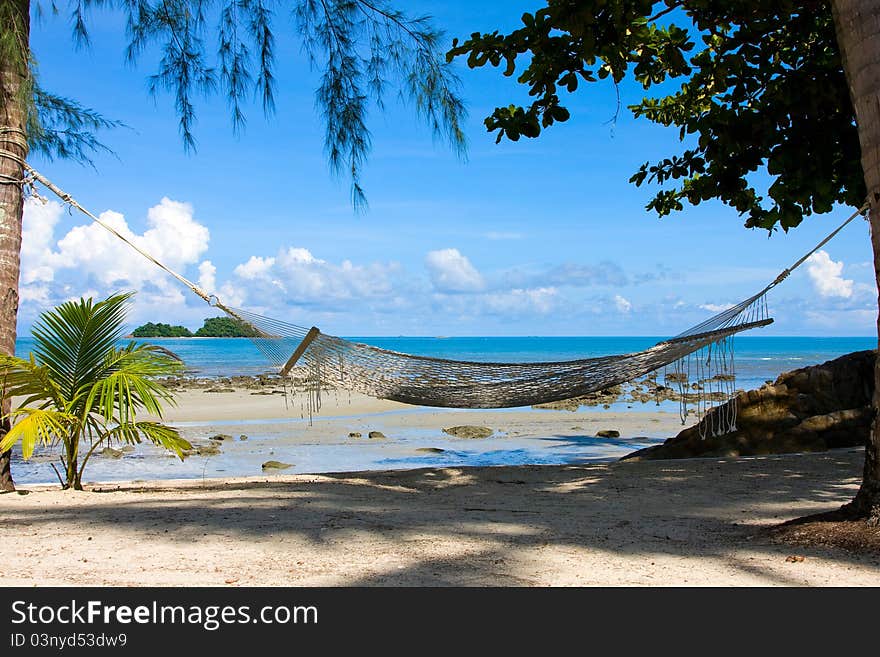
x=657, y=523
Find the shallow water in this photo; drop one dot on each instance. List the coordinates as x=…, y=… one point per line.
x=326, y=447
x=758, y=359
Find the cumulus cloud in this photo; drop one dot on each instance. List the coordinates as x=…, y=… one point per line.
x=295, y=275
x=173, y=238
x=826, y=275
x=715, y=307
x=208, y=276
x=37, y=231
x=518, y=301
x=255, y=267
x=230, y=294
x=622, y=304
x=88, y=260
x=450, y=271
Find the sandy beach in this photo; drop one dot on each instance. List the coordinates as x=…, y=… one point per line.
x=695, y=522
x=589, y=521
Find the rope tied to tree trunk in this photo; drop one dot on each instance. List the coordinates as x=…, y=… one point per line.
x=16, y=137
x=18, y=159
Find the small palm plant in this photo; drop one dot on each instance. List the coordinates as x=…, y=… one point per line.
x=80, y=390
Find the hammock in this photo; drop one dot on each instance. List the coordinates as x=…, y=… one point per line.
x=426, y=381
x=701, y=357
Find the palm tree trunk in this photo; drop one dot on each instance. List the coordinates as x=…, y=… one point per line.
x=71, y=462
x=72, y=475
x=857, y=23
x=14, y=87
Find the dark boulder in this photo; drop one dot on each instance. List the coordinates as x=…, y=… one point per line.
x=807, y=410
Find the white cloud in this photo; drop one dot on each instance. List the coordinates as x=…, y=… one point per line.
x=255, y=267
x=37, y=230
x=518, y=301
x=174, y=238
x=715, y=307
x=88, y=260
x=296, y=275
x=826, y=276
x=35, y=294
x=208, y=277
x=229, y=294
x=623, y=305
x=450, y=271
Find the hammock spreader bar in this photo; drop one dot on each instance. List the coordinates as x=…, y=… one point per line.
x=300, y=350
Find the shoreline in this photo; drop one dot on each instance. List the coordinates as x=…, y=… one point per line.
x=340, y=441
x=700, y=522
x=238, y=426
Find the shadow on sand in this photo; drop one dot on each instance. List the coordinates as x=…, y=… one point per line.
x=506, y=516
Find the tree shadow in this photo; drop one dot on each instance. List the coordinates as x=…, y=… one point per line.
x=481, y=526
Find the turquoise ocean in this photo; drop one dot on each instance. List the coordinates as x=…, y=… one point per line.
x=758, y=358
x=290, y=438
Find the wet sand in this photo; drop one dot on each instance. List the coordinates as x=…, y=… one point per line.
x=261, y=427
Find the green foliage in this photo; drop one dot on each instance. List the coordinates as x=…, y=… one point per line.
x=160, y=330
x=59, y=127
x=762, y=90
x=360, y=45
x=226, y=327
x=56, y=126
x=77, y=387
x=206, y=47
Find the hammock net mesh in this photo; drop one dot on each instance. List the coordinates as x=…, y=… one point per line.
x=328, y=362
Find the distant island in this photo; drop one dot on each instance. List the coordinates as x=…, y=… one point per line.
x=214, y=327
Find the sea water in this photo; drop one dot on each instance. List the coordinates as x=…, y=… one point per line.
x=758, y=359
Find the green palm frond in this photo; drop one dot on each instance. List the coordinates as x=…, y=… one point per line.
x=37, y=425
x=21, y=377
x=159, y=434
x=127, y=384
x=73, y=339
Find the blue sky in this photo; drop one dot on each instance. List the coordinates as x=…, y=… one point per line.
x=539, y=237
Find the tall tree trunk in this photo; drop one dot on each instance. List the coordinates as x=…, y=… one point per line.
x=14, y=88
x=857, y=23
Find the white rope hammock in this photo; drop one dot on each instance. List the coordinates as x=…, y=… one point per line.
x=701, y=355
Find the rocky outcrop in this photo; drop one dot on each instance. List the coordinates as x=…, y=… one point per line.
x=807, y=410
x=468, y=431
x=276, y=465
x=604, y=397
